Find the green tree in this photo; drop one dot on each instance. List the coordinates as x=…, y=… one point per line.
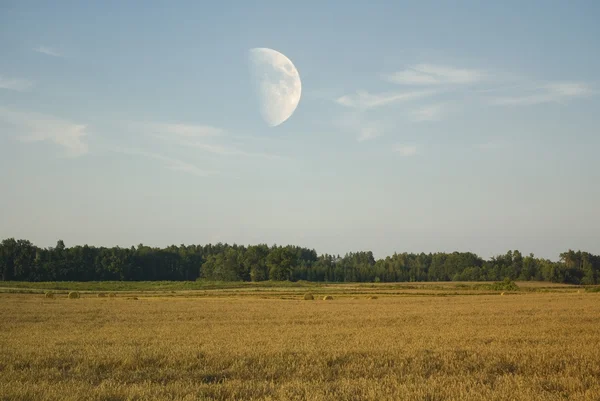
x=280, y=262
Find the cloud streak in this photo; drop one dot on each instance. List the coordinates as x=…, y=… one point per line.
x=556, y=92
x=364, y=130
x=430, y=74
x=227, y=150
x=20, y=85
x=169, y=163
x=364, y=100
x=369, y=132
x=405, y=150
x=427, y=113
x=35, y=127
x=188, y=135
x=488, y=146
x=178, y=130
x=47, y=51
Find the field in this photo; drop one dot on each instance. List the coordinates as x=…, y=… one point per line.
x=435, y=341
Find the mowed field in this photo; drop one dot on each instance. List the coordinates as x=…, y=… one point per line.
x=451, y=343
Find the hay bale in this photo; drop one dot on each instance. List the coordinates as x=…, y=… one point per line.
x=308, y=297
x=112, y=295
x=49, y=294
x=502, y=294
x=73, y=295
x=327, y=298
x=372, y=297
x=101, y=295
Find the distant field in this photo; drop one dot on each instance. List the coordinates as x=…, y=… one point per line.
x=263, y=285
x=414, y=341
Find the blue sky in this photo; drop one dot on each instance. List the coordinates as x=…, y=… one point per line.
x=423, y=126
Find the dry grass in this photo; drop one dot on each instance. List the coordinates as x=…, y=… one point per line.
x=532, y=346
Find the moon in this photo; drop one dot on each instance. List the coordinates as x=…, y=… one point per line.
x=277, y=84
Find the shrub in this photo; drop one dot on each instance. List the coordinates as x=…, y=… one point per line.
x=101, y=295
x=49, y=294
x=327, y=298
x=308, y=297
x=73, y=295
x=506, y=285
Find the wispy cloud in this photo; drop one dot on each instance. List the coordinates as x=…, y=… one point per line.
x=430, y=74
x=369, y=132
x=20, y=85
x=48, y=51
x=405, y=150
x=225, y=150
x=188, y=135
x=169, y=163
x=179, y=129
x=363, y=129
x=488, y=146
x=35, y=127
x=364, y=100
x=555, y=92
x=427, y=113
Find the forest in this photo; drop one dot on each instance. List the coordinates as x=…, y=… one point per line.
x=20, y=260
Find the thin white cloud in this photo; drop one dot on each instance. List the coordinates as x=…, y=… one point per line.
x=427, y=113
x=368, y=133
x=219, y=149
x=35, y=127
x=555, y=92
x=491, y=145
x=430, y=74
x=487, y=146
x=48, y=51
x=181, y=130
x=405, y=150
x=14, y=84
x=169, y=163
x=364, y=100
x=355, y=123
x=187, y=135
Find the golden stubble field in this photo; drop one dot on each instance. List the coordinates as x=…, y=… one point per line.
x=523, y=346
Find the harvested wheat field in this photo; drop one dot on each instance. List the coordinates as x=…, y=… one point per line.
x=521, y=346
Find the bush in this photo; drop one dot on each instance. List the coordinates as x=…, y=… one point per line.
x=506, y=285
x=73, y=295
x=308, y=297
x=49, y=294
x=101, y=295
x=327, y=298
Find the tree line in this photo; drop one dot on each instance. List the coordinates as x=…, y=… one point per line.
x=20, y=260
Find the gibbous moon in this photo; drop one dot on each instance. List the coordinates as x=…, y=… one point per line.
x=277, y=84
